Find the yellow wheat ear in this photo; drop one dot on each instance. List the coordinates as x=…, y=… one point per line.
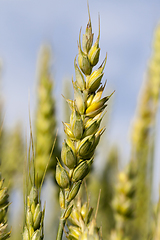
x=83, y=131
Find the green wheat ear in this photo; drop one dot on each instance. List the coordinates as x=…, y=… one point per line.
x=4, y=203
x=83, y=132
x=144, y=137
x=123, y=201
x=33, y=228
x=34, y=214
x=45, y=123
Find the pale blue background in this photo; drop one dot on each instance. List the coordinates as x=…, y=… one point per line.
x=127, y=29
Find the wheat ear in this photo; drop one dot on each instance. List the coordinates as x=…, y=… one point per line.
x=82, y=132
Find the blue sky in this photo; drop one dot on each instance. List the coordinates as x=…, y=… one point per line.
x=127, y=29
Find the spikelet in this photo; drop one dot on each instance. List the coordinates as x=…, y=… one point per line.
x=4, y=203
x=83, y=132
x=45, y=123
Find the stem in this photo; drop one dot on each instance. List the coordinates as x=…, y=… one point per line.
x=60, y=228
x=62, y=222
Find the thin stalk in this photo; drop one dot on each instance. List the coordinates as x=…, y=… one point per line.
x=61, y=226
x=62, y=222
